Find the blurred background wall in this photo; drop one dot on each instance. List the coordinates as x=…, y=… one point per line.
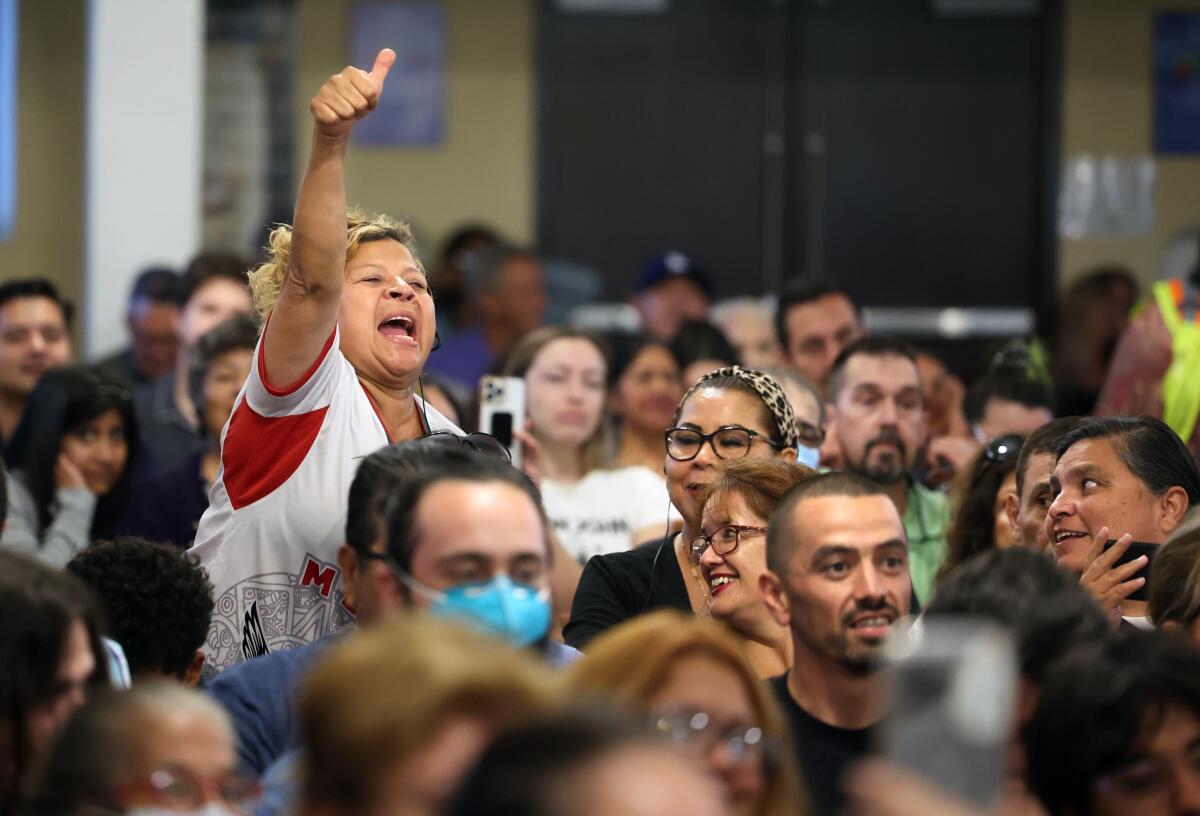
x=489, y=167
x=1107, y=108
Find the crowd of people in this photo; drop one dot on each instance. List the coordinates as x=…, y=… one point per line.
x=264, y=561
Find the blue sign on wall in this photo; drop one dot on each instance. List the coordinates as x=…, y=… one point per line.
x=411, y=111
x=1177, y=82
x=8, y=117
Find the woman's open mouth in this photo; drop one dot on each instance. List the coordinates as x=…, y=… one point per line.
x=400, y=328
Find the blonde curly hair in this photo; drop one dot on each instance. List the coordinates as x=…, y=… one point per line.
x=266, y=280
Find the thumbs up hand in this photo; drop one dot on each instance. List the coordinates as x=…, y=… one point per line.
x=350, y=95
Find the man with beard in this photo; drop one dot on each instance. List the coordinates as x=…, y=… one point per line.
x=877, y=415
x=838, y=579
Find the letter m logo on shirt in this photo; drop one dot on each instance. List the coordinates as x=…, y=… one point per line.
x=318, y=573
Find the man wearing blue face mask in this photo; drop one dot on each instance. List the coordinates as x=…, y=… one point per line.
x=467, y=539
x=500, y=581
x=809, y=408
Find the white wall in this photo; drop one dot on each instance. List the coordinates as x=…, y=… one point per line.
x=145, y=84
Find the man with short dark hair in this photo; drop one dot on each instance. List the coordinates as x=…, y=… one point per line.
x=878, y=419
x=1008, y=399
x=467, y=537
x=838, y=578
x=213, y=289
x=1116, y=729
x=157, y=601
x=402, y=552
x=815, y=320
x=671, y=289
x=153, y=322
x=1026, y=508
x=1043, y=607
x=35, y=336
x=168, y=503
x=1117, y=478
x=508, y=291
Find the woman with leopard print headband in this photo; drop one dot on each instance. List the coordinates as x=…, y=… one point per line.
x=731, y=413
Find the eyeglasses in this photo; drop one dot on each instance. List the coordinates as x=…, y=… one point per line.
x=180, y=788
x=810, y=434
x=478, y=442
x=727, y=442
x=697, y=730
x=1004, y=449
x=723, y=541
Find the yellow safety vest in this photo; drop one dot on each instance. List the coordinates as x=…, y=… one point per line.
x=1181, y=384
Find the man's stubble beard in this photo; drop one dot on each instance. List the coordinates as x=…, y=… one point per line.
x=835, y=647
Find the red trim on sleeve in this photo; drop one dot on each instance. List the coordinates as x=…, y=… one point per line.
x=261, y=453
x=305, y=377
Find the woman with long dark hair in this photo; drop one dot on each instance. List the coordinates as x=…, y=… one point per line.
x=71, y=458
x=52, y=659
x=980, y=521
x=644, y=387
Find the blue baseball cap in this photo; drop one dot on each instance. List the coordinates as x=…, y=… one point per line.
x=672, y=264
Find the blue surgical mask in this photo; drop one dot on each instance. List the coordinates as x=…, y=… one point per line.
x=515, y=612
x=809, y=457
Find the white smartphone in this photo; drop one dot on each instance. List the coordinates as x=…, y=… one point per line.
x=502, y=411
x=953, y=684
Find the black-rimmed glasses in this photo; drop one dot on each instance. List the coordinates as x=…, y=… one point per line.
x=727, y=442
x=1004, y=448
x=723, y=541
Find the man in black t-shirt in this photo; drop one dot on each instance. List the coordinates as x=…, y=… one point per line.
x=838, y=578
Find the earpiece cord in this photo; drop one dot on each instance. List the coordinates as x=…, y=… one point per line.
x=424, y=413
x=654, y=564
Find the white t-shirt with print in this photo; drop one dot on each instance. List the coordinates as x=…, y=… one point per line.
x=277, y=510
x=601, y=512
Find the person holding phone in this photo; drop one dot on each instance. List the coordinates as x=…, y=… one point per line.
x=349, y=321
x=1122, y=480
x=593, y=509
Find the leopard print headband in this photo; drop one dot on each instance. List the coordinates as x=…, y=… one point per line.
x=768, y=390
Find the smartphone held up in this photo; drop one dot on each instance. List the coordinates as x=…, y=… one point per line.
x=502, y=412
x=953, y=685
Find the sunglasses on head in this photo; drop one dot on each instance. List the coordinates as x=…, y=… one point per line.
x=1004, y=448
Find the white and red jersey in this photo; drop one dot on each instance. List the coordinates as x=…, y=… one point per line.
x=277, y=511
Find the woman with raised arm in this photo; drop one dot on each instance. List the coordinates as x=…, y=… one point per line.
x=349, y=322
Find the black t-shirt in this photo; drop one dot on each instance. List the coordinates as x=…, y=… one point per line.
x=618, y=586
x=823, y=751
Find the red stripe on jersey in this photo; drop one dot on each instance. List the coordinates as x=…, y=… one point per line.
x=261, y=453
x=291, y=389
